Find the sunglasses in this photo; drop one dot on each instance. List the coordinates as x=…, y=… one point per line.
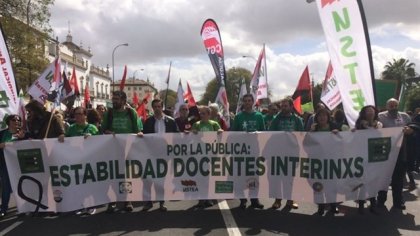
x=15, y=119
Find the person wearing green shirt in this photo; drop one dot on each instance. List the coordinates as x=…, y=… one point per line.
x=273, y=110
x=250, y=121
x=205, y=125
x=286, y=120
x=81, y=127
x=121, y=119
x=12, y=133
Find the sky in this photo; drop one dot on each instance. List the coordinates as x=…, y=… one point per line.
x=160, y=31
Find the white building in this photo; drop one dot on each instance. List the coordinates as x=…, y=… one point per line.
x=97, y=78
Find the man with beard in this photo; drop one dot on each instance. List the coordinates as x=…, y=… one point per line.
x=121, y=119
x=286, y=120
x=250, y=121
x=393, y=118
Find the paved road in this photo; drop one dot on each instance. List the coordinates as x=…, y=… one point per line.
x=225, y=219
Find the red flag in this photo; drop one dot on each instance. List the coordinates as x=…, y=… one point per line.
x=87, y=95
x=122, y=84
x=135, y=99
x=189, y=96
x=298, y=105
x=73, y=82
x=304, y=87
x=67, y=89
x=141, y=109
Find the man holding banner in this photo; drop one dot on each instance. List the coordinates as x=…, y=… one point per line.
x=250, y=121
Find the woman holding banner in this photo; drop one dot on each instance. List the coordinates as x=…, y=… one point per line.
x=368, y=119
x=12, y=133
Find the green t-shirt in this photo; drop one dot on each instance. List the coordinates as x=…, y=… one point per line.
x=80, y=130
x=249, y=122
x=7, y=137
x=267, y=120
x=287, y=123
x=211, y=125
x=122, y=123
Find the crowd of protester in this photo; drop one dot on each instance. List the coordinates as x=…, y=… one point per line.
x=280, y=116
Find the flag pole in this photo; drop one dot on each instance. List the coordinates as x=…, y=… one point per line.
x=167, y=84
x=55, y=71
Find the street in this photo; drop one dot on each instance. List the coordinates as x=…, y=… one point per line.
x=225, y=218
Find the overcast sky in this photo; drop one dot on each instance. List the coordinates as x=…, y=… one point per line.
x=160, y=31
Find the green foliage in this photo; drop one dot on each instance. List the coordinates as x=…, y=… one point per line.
x=398, y=70
x=233, y=83
x=413, y=99
x=26, y=26
x=170, y=99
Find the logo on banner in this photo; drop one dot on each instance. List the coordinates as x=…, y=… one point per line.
x=223, y=187
x=58, y=195
x=30, y=161
x=317, y=187
x=126, y=187
x=252, y=184
x=189, y=186
x=379, y=149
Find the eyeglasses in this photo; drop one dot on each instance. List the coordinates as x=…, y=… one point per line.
x=15, y=119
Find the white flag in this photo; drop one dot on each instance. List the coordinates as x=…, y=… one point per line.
x=330, y=94
x=179, y=99
x=9, y=99
x=348, y=46
x=242, y=92
x=40, y=88
x=223, y=103
x=258, y=84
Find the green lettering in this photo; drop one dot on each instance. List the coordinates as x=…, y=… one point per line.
x=348, y=41
x=339, y=22
x=88, y=174
x=179, y=167
x=215, y=166
x=304, y=167
x=358, y=164
x=101, y=171
x=54, y=176
x=76, y=169
x=316, y=167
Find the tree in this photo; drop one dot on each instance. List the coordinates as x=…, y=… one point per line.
x=399, y=70
x=413, y=99
x=170, y=99
x=26, y=28
x=233, y=83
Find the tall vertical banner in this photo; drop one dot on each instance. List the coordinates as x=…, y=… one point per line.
x=349, y=48
x=9, y=99
x=259, y=85
x=330, y=94
x=213, y=43
x=242, y=92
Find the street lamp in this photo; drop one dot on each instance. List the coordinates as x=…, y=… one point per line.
x=113, y=73
x=245, y=56
x=134, y=73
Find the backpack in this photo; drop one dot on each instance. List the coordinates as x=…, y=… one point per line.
x=130, y=114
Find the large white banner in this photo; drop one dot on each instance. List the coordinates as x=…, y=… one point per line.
x=9, y=99
x=347, y=45
x=307, y=167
